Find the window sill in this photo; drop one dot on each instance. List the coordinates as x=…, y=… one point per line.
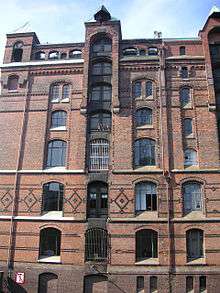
x=60, y=128
x=187, y=107
x=145, y=127
x=194, y=215
x=198, y=261
x=50, y=259
x=52, y=214
x=189, y=167
x=149, y=261
x=146, y=215
x=60, y=101
x=190, y=136
x=12, y=91
x=65, y=100
x=146, y=168
x=60, y=168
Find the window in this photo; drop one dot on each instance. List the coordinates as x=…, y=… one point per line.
x=102, y=68
x=96, y=245
x=146, y=244
x=140, y=284
x=17, y=52
x=189, y=284
x=49, y=242
x=56, y=155
x=202, y=284
x=149, y=88
x=13, y=83
x=55, y=93
x=99, y=155
x=58, y=119
x=130, y=52
x=185, y=98
x=52, y=197
x=146, y=196
x=75, y=54
x=184, y=72
x=66, y=92
x=192, y=197
x=53, y=55
x=60, y=93
x=40, y=55
x=182, y=50
x=97, y=203
x=142, y=52
x=190, y=157
x=153, y=284
x=144, y=152
x=63, y=55
x=188, y=126
x=194, y=244
x=143, y=117
x=103, y=45
x=137, y=89
x=152, y=51
x=101, y=93
x=100, y=121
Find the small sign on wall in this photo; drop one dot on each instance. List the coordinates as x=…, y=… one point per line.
x=19, y=278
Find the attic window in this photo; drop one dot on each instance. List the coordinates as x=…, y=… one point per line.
x=152, y=51
x=54, y=55
x=17, y=52
x=130, y=52
x=40, y=55
x=76, y=54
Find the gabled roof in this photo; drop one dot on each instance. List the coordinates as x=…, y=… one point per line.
x=214, y=9
x=103, y=14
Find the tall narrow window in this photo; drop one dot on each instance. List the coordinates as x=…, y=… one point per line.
x=188, y=126
x=192, y=192
x=96, y=243
x=49, y=242
x=146, y=196
x=185, y=97
x=17, y=52
x=194, y=244
x=146, y=244
x=101, y=93
x=190, y=158
x=140, y=284
x=55, y=93
x=143, y=117
x=100, y=121
x=13, y=83
x=184, y=72
x=99, y=155
x=149, y=88
x=102, y=68
x=144, y=152
x=52, y=197
x=102, y=45
x=202, y=284
x=97, y=203
x=189, y=284
x=58, y=119
x=56, y=155
x=66, y=92
x=153, y=284
x=137, y=89
x=182, y=50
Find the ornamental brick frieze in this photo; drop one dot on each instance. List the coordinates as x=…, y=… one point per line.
x=6, y=199
x=122, y=201
x=57, y=72
x=73, y=200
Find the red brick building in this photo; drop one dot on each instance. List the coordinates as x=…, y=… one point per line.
x=109, y=162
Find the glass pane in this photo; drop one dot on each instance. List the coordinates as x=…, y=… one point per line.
x=137, y=89
x=58, y=119
x=149, y=88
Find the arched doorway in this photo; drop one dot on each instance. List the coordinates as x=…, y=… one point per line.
x=47, y=283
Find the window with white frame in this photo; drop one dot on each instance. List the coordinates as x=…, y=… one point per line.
x=99, y=155
x=192, y=193
x=194, y=244
x=146, y=196
x=58, y=119
x=56, y=154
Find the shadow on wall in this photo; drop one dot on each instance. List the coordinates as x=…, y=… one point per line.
x=14, y=287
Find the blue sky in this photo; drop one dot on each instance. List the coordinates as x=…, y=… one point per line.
x=57, y=21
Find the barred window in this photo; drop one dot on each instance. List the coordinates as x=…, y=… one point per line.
x=149, y=88
x=17, y=52
x=140, y=284
x=56, y=155
x=144, y=152
x=96, y=244
x=99, y=155
x=143, y=117
x=192, y=192
x=188, y=126
x=189, y=284
x=13, y=82
x=153, y=284
x=194, y=244
x=52, y=197
x=190, y=157
x=184, y=72
x=185, y=97
x=97, y=204
x=102, y=68
x=100, y=121
x=146, y=196
x=146, y=244
x=58, y=119
x=137, y=89
x=49, y=242
x=101, y=93
x=103, y=45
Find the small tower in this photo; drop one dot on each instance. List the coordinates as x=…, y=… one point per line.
x=102, y=15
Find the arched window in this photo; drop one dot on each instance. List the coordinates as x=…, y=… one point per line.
x=58, y=119
x=146, y=244
x=194, y=244
x=56, y=155
x=101, y=93
x=130, y=52
x=188, y=126
x=190, y=157
x=52, y=197
x=143, y=117
x=49, y=243
x=96, y=244
x=47, y=282
x=146, y=196
x=55, y=93
x=137, y=89
x=102, y=68
x=149, y=88
x=66, y=92
x=75, y=54
x=182, y=50
x=102, y=45
x=184, y=72
x=185, y=97
x=13, y=83
x=99, y=155
x=40, y=55
x=17, y=52
x=60, y=92
x=192, y=193
x=53, y=55
x=100, y=121
x=97, y=202
x=152, y=51
x=144, y=152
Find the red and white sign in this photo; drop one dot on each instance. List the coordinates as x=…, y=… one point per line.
x=19, y=278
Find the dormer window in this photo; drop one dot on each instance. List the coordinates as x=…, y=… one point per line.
x=17, y=52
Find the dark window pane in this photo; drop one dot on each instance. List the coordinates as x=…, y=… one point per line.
x=102, y=45
x=58, y=119
x=66, y=91
x=102, y=68
x=96, y=244
x=189, y=284
x=52, y=197
x=50, y=242
x=146, y=244
x=17, y=52
x=101, y=93
x=185, y=96
x=194, y=238
x=100, y=122
x=184, y=72
x=149, y=88
x=144, y=152
x=75, y=54
x=188, y=126
x=56, y=153
x=143, y=116
x=153, y=284
x=182, y=50
x=202, y=284
x=140, y=284
x=137, y=89
x=13, y=83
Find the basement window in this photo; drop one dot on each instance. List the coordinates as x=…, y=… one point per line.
x=189, y=284
x=140, y=284
x=202, y=284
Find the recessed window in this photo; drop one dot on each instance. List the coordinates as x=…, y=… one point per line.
x=66, y=92
x=96, y=245
x=102, y=45
x=40, y=55
x=100, y=121
x=99, y=155
x=58, y=119
x=53, y=55
x=101, y=93
x=188, y=126
x=190, y=157
x=202, y=284
x=192, y=193
x=13, y=83
x=140, y=284
x=143, y=117
x=152, y=51
x=182, y=50
x=130, y=52
x=146, y=196
x=144, y=152
x=184, y=72
x=137, y=89
x=185, y=97
x=149, y=88
x=102, y=68
x=97, y=203
x=146, y=244
x=63, y=55
x=52, y=197
x=60, y=93
x=17, y=52
x=142, y=52
x=56, y=155
x=49, y=242
x=153, y=284
x=75, y=54
x=189, y=284
x=194, y=244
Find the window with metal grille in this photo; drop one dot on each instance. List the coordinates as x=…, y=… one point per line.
x=144, y=152
x=146, y=196
x=17, y=52
x=182, y=50
x=189, y=284
x=56, y=155
x=101, y=93
x=184, y=72
x=143, y=117
x=13, y=83
x=188, y=126
x=192, y=193
x=97, y=203
x=58, y=119
x=185, y=97
x=100, y=121
x=149, y=88
x=96, y=245
x=140, y=284
x=190, y=157
x=153, y=284
x=102, y=68
x=146, y=244
x=52, y=197
x=137, y=89
x=103, y=45
x=194, y=244
x=99, y=155
x=49, y=242
x=202, y=284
